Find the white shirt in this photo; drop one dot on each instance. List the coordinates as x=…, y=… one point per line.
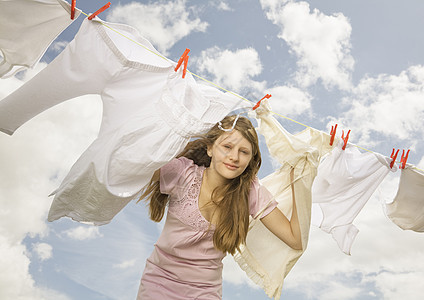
x=346, y=180
x=27, y=28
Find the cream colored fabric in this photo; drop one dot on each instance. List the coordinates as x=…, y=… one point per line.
x=407, y=209
x=265, y=258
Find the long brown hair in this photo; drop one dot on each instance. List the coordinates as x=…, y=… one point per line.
x=231, y=200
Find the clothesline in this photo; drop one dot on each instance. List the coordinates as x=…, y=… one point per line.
x=226, y=90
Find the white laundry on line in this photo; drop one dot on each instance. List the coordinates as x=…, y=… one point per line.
x=407, y=208
x=27, y=28
x=149, y=115
x=345, y=181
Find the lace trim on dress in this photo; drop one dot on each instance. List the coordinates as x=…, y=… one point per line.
x=187, y=208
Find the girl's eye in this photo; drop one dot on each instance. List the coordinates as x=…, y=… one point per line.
x=227, y=146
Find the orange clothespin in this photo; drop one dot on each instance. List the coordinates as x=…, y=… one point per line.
x=102, y=9
x=183, y=58
x=74, y=3
x=403, y=159
x=345, y=139
x=267, y=96
x=393, y=157
x=333, y=134
x=185, y=65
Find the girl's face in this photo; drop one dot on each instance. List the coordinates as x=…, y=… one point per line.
x=231, y=154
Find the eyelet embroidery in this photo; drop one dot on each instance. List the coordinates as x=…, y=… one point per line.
x=187, y=208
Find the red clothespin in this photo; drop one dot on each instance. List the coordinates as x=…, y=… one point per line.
x=267, y=96
x=102, y=9
x=403, y=159
x=333, y=134
x=393, y=157
x=74, y=3
x=183, y=58
x=345, y=139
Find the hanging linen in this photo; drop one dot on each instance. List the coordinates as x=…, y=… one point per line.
x=27, y=28
x=149, y=114
x=265, y=258
x=346, y=180
x=407, y=208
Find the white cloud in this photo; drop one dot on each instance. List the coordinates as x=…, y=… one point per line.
x=335, y=290
x=125, y=264
x=83, y=233
x=222, y=5
x=44, y=251
x=15, y=280
x=320, y=42
x=233, y=70
x=404, y=285
x=289, y=100
x=391, y=105
x=58, y=46
x=162, y=23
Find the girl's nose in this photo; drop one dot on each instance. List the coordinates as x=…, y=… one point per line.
x=233, y=155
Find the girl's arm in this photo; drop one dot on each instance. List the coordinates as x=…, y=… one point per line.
x=285, y=230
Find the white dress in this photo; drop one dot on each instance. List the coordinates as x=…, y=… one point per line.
x=265, y=258
x=407, y=208
x=27, y=28
x=149, y=115
x=346, y=180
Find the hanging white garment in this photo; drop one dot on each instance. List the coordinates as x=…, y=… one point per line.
x=265, y=258
x=407, y=208
x=346, y=180
x=149, y=114
x=27, y=28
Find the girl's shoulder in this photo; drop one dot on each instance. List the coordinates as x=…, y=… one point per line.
x=179, y=172
x=181, y=166
x=179, y=163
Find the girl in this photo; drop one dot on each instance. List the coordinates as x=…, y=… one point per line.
x=210, y=190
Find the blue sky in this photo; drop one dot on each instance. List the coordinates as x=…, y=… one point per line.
x=355, y=63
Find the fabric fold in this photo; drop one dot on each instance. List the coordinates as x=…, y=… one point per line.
x=407, y=208
x=345, y=182
x=27, y=28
